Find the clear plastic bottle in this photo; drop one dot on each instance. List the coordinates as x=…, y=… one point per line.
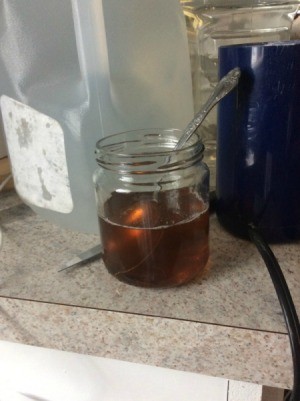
x=214, y=23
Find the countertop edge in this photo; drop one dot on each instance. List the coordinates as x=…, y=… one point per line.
x=219, y=351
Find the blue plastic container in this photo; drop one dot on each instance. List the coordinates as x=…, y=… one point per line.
x=258, y=148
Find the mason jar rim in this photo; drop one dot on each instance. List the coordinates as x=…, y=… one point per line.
x=110, y=144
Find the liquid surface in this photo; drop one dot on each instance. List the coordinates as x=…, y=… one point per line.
x=155, y=243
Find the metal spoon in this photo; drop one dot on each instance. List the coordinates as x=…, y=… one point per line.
x=224, y=86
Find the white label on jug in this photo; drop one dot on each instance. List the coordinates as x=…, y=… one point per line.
x=37, y=153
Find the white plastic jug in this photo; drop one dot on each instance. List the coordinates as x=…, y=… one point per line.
x=215, y=23
x=72, y=72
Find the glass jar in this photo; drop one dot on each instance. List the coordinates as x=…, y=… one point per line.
x=152, y=207
x=214, y=23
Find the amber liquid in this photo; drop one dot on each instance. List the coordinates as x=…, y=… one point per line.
x=155, y=243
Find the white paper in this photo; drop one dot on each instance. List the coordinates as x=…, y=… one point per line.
x=37, y=152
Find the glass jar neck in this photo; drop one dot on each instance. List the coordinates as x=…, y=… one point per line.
x=147, y=151
x=196, y=4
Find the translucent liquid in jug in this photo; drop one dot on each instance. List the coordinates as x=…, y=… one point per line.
x=148, y=243
x=215, y=23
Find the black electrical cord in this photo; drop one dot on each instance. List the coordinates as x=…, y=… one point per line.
x=284, y=297
x=286, y=303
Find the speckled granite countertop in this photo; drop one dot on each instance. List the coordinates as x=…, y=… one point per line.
x=226, y=324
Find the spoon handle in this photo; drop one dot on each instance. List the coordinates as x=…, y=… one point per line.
x=224, y=86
